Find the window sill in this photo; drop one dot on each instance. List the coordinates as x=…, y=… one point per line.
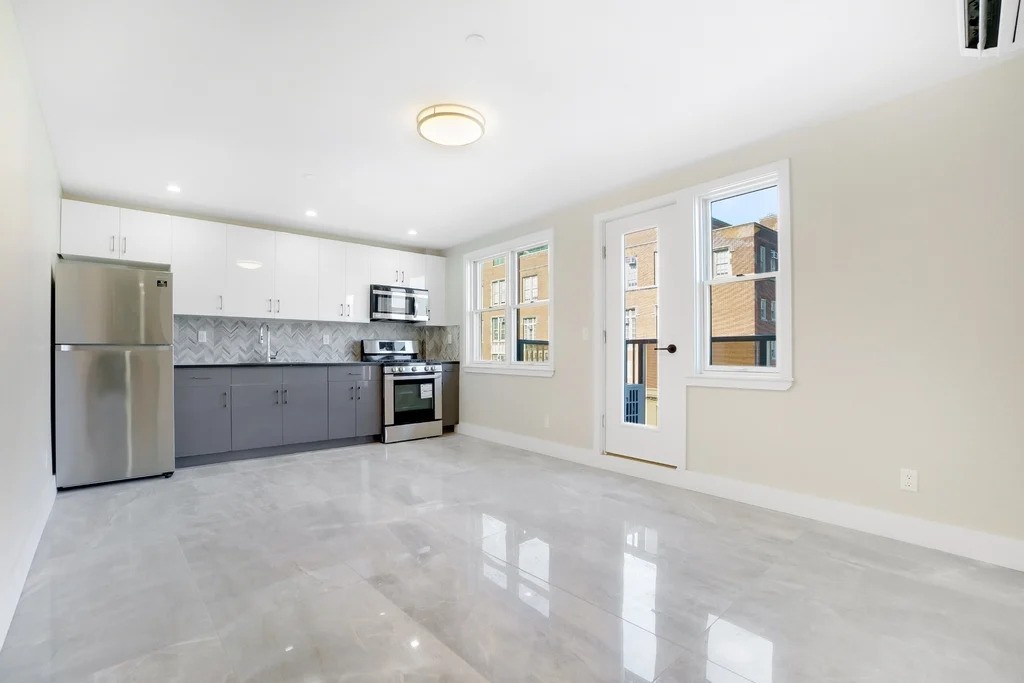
x=525, y=371
x=731, y=381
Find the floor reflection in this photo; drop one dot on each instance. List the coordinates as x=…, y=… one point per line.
x=737, y=650
x=639, y=598
x=518, y=561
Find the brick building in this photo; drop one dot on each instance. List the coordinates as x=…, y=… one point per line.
x=532, y=286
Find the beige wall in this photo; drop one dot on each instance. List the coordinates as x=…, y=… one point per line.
x=29, y=224
x=908, y=240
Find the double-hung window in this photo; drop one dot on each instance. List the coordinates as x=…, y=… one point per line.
x=743, y=330
x=509, y=328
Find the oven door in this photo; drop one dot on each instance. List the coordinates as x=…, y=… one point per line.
x=398, y=303
x=412, y=399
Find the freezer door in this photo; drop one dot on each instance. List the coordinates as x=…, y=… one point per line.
x=113, y=413
x=96, y=303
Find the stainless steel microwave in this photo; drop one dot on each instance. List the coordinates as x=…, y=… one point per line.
x=388, y=302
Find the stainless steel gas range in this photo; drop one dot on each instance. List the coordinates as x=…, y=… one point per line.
x=412, y=389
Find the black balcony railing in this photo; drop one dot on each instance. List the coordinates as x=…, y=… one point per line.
x=636, y=359
x=533, y=350
x=759, y=344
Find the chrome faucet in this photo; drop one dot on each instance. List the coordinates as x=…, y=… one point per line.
x=265, y=339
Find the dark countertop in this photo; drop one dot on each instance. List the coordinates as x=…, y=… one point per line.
x=292, y=364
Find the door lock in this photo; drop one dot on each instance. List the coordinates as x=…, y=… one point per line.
x=671, y=348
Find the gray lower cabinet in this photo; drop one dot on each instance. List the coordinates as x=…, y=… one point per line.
x=341, y=418
x=202, y=420
x=369, y=411
x=256, y=416
x=450, y=396
x=304, y=401
x=355, y=409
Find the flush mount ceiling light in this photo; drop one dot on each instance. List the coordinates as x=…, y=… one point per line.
x=310, y=213
x=248, y=265
x=413, y=233
x=451, y=125
x=173, y=188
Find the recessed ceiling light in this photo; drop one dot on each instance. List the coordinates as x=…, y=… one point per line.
x=248, y=265
x=413, y=232
x=307, y=176
x=452, y=125
x=310, y=213
x=475, y=39
x=414, y=643
x=173, y=188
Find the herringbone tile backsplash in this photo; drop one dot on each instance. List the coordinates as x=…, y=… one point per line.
x=236, y=340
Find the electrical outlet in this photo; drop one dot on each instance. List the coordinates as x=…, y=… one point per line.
x=448, y=338
x=327, y=339
x=202, y=336
x=908, y=480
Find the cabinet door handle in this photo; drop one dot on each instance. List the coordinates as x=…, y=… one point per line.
x=396, y=276
x=278, y=305
x=351, y=391
x=341, y=310
x=277, y=397
x=225, y=395
x=285, y=395
x=220, y=302
x=113, y=238
x=124, y=245
x=403, y=276
x=270, y=305
x=359, y=393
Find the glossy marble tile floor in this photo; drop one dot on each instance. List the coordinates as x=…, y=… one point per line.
x=457, y=560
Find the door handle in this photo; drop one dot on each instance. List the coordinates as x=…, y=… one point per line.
x=351, y=393
x=113, y=238
x=278, y=305
x=284, y=394
x=359, y=393
x=270, y=305
x=671, y=348
x=341, y=310
x=124, y=245
x=225, y=395
x=396, y=276
x=220, y=302
x=349, y=309
x=403, y=276
x=277, y=397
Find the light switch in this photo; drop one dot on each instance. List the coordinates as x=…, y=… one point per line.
x=202, y=336
x=327, y=339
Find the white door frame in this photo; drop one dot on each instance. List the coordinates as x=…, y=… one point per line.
x=600, y=305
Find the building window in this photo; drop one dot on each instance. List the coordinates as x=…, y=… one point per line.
x=498, y=338
x=630, y=323
x=529, y=288
x=632, y=272
x=742, y=330
x=510, y=331
x=722, y=261
x=498, y=291
x=530, y=328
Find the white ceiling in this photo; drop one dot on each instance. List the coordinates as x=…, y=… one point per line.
x=237, y=100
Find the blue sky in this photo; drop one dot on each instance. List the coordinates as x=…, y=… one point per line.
x=747, y=207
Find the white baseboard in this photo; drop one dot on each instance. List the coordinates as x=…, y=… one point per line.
x=12, y=585
x=976, y=545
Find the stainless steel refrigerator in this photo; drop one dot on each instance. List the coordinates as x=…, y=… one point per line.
x=113, y=373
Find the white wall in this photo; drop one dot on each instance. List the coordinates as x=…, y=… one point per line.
x=908, y=241
x=29, y=226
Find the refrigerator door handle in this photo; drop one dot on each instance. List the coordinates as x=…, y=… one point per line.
x=113, y=347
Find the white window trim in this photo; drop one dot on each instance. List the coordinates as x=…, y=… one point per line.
x=779, y=378
x=471, y=335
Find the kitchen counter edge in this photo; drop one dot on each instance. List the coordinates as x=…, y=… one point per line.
x=285, y=365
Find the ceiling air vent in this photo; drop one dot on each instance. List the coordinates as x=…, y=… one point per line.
x=988, y=26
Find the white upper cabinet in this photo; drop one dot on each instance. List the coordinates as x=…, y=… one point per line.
x=357, y=283
x=249, y=272
x=90, y=229
x=332, y=300
x=109, y=232
x=412, y=270
x=385, y=266
x=146, y=236
x=435, y=283
x=296, y=274
x=197, y=261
